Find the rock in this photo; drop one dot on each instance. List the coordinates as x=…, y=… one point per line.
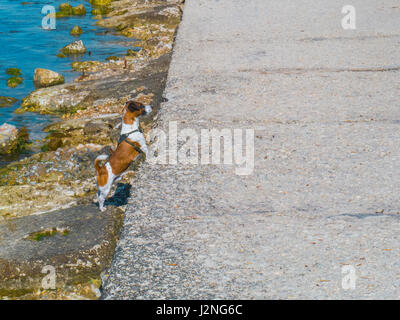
x=112, y=58
x=134, y=51
x=12, y=139
x=54, y=100
x=96, y=12
x=97, y=128
x=14, y=81
x=65, y=10
x=53, y=144
x=8, y=136
x=87, y=66
x=13, y=71
x=79, y=10
x=170, y=11
x=7, y=101
x=75, y=47
x=78, y=131
x=100, y=2
x=81, y=247
x=61, y=55
x=65, y=7
x=47, y=78
x=76, y=31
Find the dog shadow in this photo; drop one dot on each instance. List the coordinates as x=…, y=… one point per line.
x=120, y=196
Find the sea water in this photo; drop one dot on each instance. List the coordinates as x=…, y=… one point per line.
x=24, y=44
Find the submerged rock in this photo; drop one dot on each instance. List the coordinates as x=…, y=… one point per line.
x=75, y=47
x=76, y=31
x=14, y=82
x=112, y=58
x=13, y=71
x=12, y=139
x=47, y=78
x=7, y=101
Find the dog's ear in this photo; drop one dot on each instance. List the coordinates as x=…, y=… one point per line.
x=134, y=106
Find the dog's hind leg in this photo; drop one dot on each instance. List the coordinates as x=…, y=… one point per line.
x=103, y=191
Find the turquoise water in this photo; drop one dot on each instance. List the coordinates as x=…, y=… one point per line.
x=25, y=45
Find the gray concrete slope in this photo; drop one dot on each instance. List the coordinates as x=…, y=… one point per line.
x=324, y=193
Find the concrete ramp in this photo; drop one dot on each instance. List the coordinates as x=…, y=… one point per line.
x=318, y=216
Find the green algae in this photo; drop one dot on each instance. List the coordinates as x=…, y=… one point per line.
x=14, y=82
x=67, y=10
x=13, y=71
x=40, y=235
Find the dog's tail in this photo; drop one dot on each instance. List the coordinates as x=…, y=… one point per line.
x=99, y=158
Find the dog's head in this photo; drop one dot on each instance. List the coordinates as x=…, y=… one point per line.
x=134, y=109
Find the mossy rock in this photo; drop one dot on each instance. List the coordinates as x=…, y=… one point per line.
x=61, y=55
x=79, y=10
x=131, y=52
x=101, y=10
x=115, y=58
x=47, y=78
x=76, y=47
x=61, y=15
x=78, y=257
x=40, y=235
x=122, y=12
x=76, y=31
x=13, y=140
x=134, y=51
x=7, y=101
x=13, y=71
x=65, y=7
x=53, y=144
x=65, y=10
x=89, y=66
x=100, y=2
x=121, y=27
x=96, y=11
x=14, y=82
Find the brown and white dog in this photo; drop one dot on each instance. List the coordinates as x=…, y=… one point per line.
x=132, y=142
